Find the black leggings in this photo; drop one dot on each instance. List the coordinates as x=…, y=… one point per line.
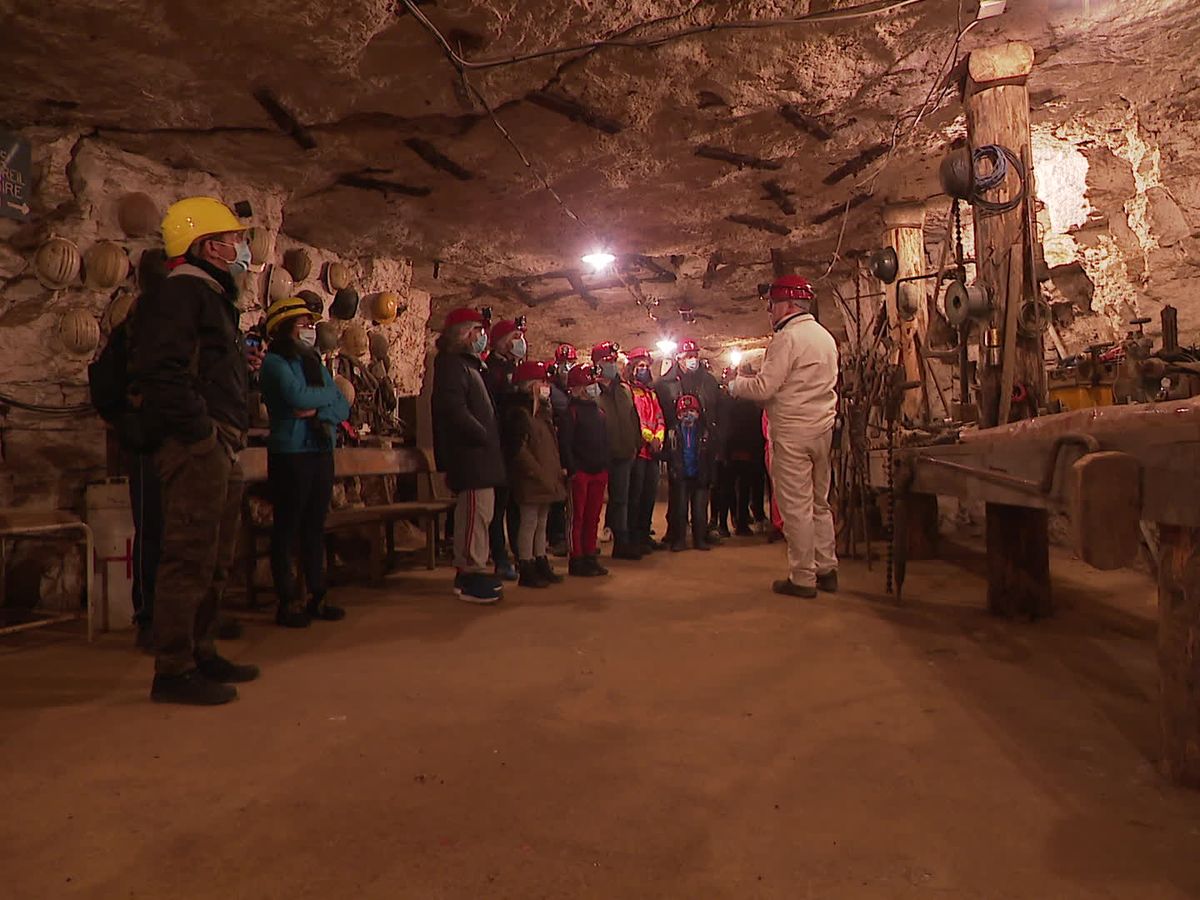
x=301, y=487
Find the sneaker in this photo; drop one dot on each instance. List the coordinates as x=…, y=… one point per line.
x=530, y=576
x=326, y=612
x=506, y=571
x=791, y=589
x=477, y=588
x=291, y=618
x=190, y=689
x=593, y=563
x=578, y=566
x=828, y=582
x=228, y=629
x=221, y=670
x=547, y=571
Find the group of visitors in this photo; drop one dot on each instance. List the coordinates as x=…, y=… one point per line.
x=535, y=451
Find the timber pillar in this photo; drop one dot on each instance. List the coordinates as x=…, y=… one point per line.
x=1179, y=652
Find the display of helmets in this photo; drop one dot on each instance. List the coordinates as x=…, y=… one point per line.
x=314, y=301
x=283, y=310
x=57, y=263
x=298, y=263
x=79, y=331
x=327, y=337
x=565, y=353
x=605, y=351
x=687, y=347
x=138, y=214
x=687, y=403
x=105, y=265
x=354, y=340
x=379, y=345
x=346, y=386
x=580, y=376
x=260, y=246
x=345, y=304
x=279, y=284
x=336, y=276
x=531, y=370
x=117, y=311
x=385, y=306
x=151, y=269
x=193, y=218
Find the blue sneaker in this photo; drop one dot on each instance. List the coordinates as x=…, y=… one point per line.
x=506, y=571
x=475, y=587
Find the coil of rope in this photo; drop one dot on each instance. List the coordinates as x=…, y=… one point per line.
x=1000, y=160
x=83, y=409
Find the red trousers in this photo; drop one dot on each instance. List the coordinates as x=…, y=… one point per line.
x=587, y=498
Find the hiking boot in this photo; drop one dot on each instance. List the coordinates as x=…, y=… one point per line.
x=578, y=566
x=228, y=629
x=475, y=587
x=547, y=571
x=791, y=589
x=326, y=612
x=593, y=563
x=291, y=618
x=828, y=582
x=190, y=689
x=505, y=571
x=530, y=576
x=221, y=670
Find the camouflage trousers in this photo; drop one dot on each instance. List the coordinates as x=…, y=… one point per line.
x=202, y=497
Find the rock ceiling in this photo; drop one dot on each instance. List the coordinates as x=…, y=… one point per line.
x=692, y=160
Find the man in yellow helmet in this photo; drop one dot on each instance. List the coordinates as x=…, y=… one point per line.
x=189, y=364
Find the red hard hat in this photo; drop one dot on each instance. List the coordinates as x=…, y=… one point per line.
x=502, y=329
x=461, y=315
x=796, y=288
x=687, y=346
x=581, y=375
x=687, y=403
x=605, y=350
x=638, y=353
x=531, y=370
x=565, y=353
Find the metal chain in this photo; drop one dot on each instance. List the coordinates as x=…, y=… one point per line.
x=958, y=249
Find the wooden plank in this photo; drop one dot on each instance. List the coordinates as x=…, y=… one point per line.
x=1179, y=652
x=347, y=461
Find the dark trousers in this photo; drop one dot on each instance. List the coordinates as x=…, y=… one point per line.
x=742, y=492
x=722, y=493
x=556, y=524
x=202, y=506
x=145, y=501
x=301, y=487
x=689, y=495
x=617, y=515
x=507, y=515
x=643, y=493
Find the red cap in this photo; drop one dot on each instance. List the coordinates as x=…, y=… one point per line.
x=796, y=288
x=638, y=353
x=687, y=403
x=581, y=375
x=461, y=315
x=604, y=351
x=502, y=329
x=531, y=370
x=565, y=353
x=687, y=346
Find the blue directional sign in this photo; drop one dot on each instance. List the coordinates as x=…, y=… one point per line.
x=15, y=181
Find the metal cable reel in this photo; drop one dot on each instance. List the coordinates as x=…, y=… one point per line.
x=1033, y=318
x=966, y=301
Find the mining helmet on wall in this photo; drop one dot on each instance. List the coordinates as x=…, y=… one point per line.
x=354, y=340
x=346, y=386
x=314, y=301
x=117, y=311
x=345, y=304
x=379, y=345
x=260, y=245
x=279, y=284
x=105, y=265
x=336, y=276
x=138, y=214
x=193, y=218
x=79, y=331
x=384, y=306
x=57, y=263
x=298, y=263
x=327, y=337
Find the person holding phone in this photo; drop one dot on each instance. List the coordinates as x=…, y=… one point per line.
x=305, y=409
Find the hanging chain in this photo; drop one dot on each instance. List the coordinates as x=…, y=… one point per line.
x=960, y=256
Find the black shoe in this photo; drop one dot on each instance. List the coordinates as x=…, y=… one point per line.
x=529, y=576
x=291, y=618
x=678, y=547
x=791, y=589
x=702, y=545
x=774, y=536
x=228, y=629
x=743, y=531
x=626, y=551
x=191, y=689
x=145, y=638
x=559, y=549
x=578, y=566
x=712, y=537
x=723, y=531
x=593, y=563
x=828, y=582
x=326, y=612
x=547, y=571
x=219, y=669
x=656, y=545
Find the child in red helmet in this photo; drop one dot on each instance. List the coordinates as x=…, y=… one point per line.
x=535, y=472
x=691, y=464
x=583, y=445
x=643, y=484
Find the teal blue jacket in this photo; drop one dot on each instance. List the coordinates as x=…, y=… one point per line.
x=285, y=390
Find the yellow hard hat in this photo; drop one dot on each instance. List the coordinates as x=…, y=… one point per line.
x=193, y=218
x=287, y=308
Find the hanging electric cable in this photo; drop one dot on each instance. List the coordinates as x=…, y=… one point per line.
x=83, y=409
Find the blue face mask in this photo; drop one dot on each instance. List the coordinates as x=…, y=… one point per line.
x=241, y=262
x=642, y=376
x=690, y=418
x=519, y=348
x=479, y=344
x=592, y=391
x=691, y=364
x=608, y=370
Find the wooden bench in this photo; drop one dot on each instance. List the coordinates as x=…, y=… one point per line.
x=359, y=462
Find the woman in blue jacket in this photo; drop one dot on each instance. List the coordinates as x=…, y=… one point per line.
x=306, y=408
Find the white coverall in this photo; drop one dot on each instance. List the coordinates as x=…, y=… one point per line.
x=797, y=385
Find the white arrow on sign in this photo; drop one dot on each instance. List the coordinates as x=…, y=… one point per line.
x=21, y=207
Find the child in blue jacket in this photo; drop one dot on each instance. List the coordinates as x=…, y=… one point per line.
x=305, y=408
x=690, y=466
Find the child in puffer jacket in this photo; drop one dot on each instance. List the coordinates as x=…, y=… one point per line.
x=690, y=466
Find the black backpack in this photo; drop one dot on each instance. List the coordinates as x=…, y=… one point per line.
x=113, y=391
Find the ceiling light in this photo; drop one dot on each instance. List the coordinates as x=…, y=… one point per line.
x=666, y=347
x=599, y=260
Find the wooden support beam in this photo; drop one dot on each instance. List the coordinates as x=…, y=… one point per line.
x=905, y=223
x=1179, y=652
x=759, y=224
x=575, y=111
x=741, y=160
x=1018, y=562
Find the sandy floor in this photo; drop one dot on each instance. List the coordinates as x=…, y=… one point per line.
x=673, y=731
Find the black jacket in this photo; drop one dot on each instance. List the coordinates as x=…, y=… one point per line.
x=583, y=438
x=466, y=437
x=188, y=362
x=743, y=430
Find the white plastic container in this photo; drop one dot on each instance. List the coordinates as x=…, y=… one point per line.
x=111, y=521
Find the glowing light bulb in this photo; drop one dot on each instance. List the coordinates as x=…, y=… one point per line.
x=599, y=260
x=735, y=357
x=666, y=347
